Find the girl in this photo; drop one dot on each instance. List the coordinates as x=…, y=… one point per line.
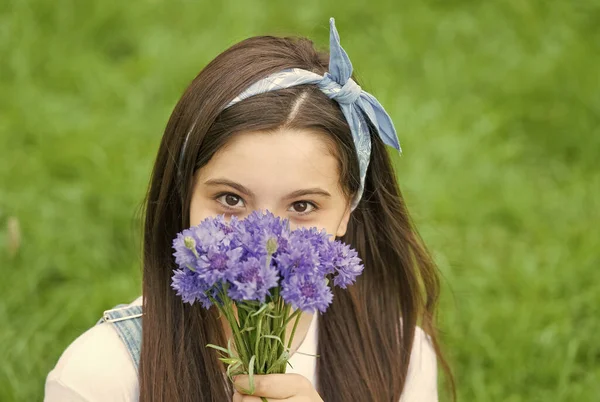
x=272, y=124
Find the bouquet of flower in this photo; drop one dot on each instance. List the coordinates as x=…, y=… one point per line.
x=269, y=273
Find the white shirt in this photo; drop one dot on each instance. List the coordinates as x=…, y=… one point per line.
x=97, y=367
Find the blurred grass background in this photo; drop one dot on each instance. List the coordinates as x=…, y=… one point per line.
x=497, y=104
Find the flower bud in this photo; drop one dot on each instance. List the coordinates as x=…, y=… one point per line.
x=189, y=242
x=271, y=245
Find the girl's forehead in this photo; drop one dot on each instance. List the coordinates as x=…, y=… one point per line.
x=283, y=159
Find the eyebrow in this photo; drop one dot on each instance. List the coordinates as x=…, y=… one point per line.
x=233, y=184
x=307, y=191
x=249, y=193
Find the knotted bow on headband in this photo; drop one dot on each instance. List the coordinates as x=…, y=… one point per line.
x=336, y=84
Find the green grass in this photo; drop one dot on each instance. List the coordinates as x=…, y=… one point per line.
x=498, y=107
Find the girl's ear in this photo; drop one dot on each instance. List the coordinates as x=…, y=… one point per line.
x=341, y=230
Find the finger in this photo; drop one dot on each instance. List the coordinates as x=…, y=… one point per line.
x=278, y=386
x=237, y=397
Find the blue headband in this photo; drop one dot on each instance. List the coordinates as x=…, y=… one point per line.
x=337, y=85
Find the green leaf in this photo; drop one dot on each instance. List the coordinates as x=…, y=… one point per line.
x=229, y=360
x=231, y=368
x=249, y=303
x=278, y=339
x=284, y=357
x=260, y=310
x=306, y=354
x=210, y=345
x=246, y=308
x=251, y=375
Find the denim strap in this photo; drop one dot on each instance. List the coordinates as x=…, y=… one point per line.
x=127, y=321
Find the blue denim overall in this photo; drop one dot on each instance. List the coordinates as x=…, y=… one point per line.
x=127, y=321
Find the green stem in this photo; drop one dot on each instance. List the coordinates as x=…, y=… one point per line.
x=230, y=316
x=295, y=314
x=256, y=344
x=289, y=346
x=283, y=310
x=269, y=343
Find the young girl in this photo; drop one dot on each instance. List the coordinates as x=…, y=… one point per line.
x=272, y=124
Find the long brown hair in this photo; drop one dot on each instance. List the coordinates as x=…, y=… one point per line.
x=366, y=335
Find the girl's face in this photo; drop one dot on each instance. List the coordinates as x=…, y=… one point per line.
x=291, y=173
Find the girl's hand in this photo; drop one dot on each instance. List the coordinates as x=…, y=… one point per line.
x=276, y=387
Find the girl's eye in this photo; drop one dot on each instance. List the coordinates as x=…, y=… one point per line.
x=230, y=200
x=303, y=207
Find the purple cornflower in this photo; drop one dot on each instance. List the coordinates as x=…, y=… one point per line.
x=190, y=287
x=251, y=257
x=322, y=245
x=306, y=292
x=184, y=257
x=209, y=233
x=347, y=264
x=252, y=279
x=258, y=229
x=300, y=257
x=215, y=265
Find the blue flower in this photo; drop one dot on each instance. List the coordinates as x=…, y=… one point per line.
x=258, y=229
x=252, y=279
x=190, y=287
x=347, y=264
x=252, y=256
x=215, y=264
x=300, y=257
x=306, y=292
x=184, y=257
x=215, y=232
